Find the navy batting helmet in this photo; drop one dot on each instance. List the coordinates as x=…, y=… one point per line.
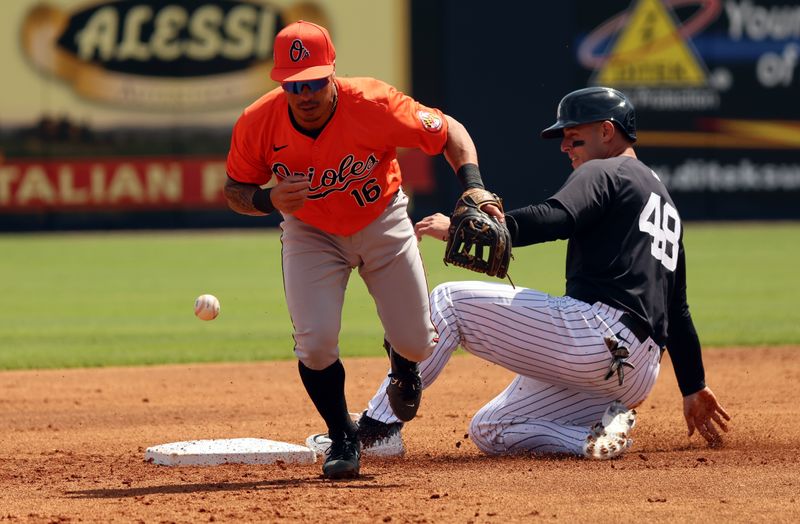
x=593, y=104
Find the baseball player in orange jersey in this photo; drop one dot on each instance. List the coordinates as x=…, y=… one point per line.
x=329, y=147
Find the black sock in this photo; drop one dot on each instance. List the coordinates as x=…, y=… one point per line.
x=326, y=390
x=398, y=362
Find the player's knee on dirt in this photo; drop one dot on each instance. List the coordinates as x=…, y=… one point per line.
x=484, y=436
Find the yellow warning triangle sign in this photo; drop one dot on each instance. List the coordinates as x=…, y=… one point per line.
x=651, y=52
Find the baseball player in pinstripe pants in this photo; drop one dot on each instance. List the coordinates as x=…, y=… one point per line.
x=584, y=360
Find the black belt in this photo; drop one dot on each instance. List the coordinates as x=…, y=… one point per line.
x=639, y=329
x=619, y=351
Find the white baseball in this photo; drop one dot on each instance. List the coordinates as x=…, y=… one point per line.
x=206, y=307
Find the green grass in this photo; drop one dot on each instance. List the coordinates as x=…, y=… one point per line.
x=743, y=283
x=99, y=299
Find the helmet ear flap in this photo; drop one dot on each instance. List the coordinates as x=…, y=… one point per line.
x=630, y=124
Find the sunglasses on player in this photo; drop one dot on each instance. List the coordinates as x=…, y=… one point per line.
x=296, y=88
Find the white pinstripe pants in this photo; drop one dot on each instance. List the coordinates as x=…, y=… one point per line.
x=554, y=344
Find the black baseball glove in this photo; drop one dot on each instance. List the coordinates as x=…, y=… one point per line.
x=477, y=240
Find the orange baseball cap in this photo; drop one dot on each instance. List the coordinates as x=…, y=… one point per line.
x=303, y=51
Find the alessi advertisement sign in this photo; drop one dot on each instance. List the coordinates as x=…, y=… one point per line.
x=153, y=53
x=128, y=105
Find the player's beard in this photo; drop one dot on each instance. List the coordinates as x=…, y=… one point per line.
x=310, y=114
x=308, y=111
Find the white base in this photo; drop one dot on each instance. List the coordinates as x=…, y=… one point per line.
x=228, y=451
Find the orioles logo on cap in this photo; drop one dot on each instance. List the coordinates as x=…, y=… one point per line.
x=430, y=121
x=298, y=51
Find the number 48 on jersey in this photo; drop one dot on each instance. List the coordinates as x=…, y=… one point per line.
x=664, y=225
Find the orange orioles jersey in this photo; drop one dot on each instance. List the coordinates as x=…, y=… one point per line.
x=352, y=165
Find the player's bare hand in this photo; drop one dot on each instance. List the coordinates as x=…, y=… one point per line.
x=704, y=413
x=290, y=194
x=493, y=210
x=435, y=226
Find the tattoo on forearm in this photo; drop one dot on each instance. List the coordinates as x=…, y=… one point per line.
x=240, y=197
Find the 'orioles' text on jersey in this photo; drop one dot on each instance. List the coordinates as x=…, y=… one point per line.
x=352, y=165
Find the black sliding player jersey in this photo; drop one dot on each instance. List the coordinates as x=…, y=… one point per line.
x=625, y=250
x=626, y=246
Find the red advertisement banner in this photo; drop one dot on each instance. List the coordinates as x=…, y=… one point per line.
x=139, y=183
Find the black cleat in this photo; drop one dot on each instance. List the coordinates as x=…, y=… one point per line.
x=405, y=385
x=378, y=435
x=377, y=439
x=343, y=458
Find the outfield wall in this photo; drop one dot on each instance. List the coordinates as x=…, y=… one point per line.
x=117, y=114
x=715, y=84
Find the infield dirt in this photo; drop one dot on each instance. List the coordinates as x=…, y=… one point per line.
x=73, y=446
